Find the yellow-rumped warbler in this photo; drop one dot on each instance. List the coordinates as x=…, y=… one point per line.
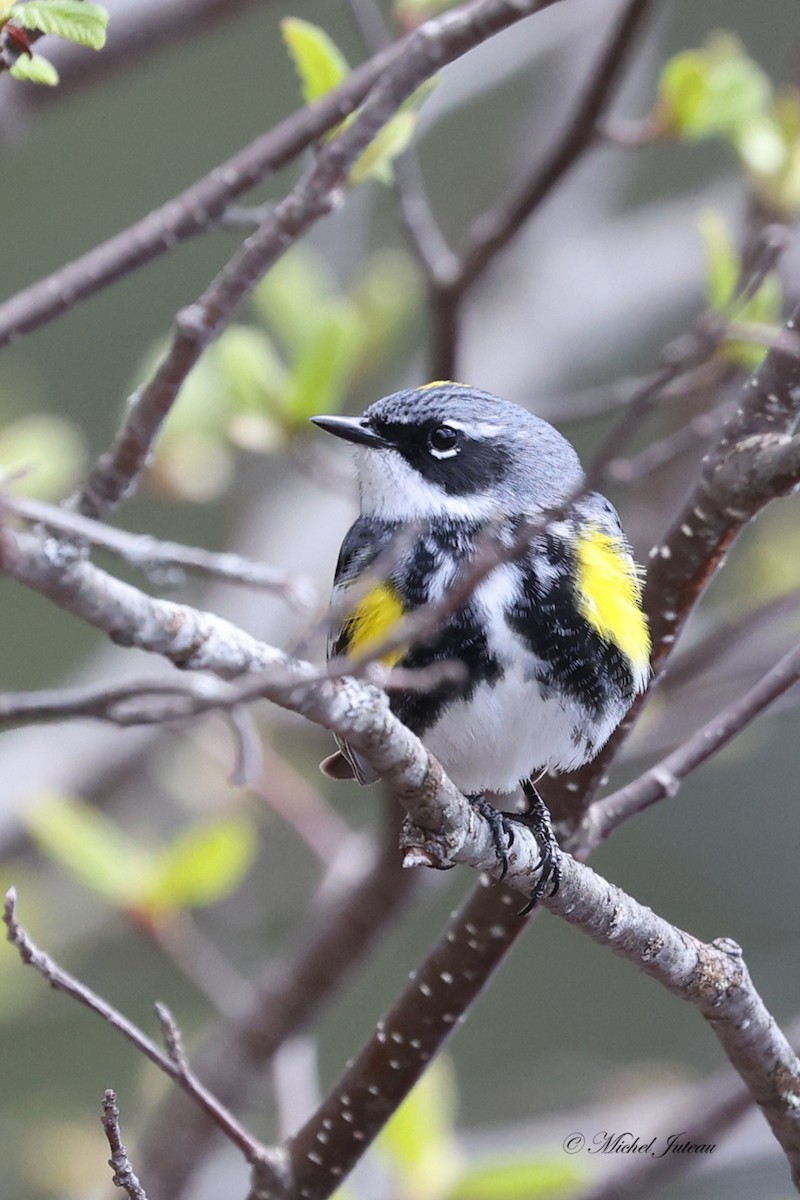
x=554, y=642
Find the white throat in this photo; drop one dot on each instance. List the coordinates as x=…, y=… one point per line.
x=391, y=490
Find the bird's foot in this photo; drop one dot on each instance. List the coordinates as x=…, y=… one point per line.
x=501, y=831
x=537, y=819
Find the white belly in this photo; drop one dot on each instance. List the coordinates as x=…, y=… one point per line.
x=504, y=734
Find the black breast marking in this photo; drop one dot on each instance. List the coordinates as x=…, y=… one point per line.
x=575, y=658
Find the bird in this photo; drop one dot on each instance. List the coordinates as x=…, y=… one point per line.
x=552, y=642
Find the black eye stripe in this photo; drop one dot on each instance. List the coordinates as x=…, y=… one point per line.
x=468, y=466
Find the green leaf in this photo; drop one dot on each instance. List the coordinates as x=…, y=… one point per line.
x=323, y=367
x=294, y=294
x=387, y=296
x=36, y=69
x=395, y=137
x=713, y=91
x=392, y=140
x=520, y=1179
x=251, y=370
x=761, y=147
x=50, y=451
x=202, y=866
x=74, y=20
x=723, y=262
x=724, y=270
x=92, y=848
x=317, y=59
x=419, y=1139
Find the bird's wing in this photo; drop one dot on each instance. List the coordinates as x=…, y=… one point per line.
x=364, y=542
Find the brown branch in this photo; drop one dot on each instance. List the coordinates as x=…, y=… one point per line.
x=427, y=1012
x=124, y=1174
x=177, y=1068
x=494, y=230
x=756, y=460
x=286, y=1001
x=664, y=779
x=434, y=44
x=193, y=211
x=712, y=977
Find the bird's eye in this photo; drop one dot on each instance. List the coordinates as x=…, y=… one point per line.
x=443, y=441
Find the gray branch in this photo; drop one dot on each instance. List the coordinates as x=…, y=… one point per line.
x=124, y=1174
x=319, y=192
x=443, y=827
x=173, y=1064
x=150, y=554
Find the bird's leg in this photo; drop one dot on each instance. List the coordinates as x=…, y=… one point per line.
x=501, y=831
x=537, y=819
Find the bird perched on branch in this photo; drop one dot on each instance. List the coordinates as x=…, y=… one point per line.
x=473, y=505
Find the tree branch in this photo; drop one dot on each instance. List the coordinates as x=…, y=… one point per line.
x=285, y=1002
x=124, y=1174
x=756, y=460
x=494, y=230
x=193, y=211
x=150, y=554
x=319, y=192
x=172, y=1064
x=664, y=779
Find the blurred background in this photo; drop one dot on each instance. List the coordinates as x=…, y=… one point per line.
x=212, y=885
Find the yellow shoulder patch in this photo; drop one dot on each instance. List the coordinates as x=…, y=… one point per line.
x=610, y=595
x=372, y=620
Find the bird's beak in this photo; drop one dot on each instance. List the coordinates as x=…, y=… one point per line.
x=353, y=429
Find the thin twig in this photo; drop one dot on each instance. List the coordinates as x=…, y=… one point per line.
x=179, y=1071
x=494, y=230
x=153, y=555
x=191, y=212
x=286, y=1001
x=319, y=192
x=438, y=261
x=664, y=779
x=756, y=460
x=124, y=1174
x=666, y=449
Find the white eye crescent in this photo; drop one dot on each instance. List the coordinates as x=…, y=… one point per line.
x=444, y=442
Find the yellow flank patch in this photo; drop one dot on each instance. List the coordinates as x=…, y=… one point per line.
x=372, y=620
x=610, y=594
